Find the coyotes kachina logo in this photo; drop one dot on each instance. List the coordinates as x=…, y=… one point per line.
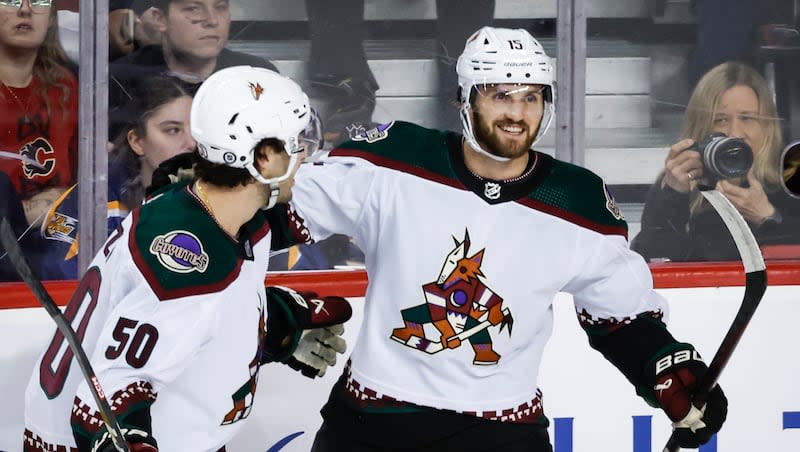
x=460, y=306
x=256, y=90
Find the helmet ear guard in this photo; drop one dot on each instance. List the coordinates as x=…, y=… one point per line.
x=508, y=56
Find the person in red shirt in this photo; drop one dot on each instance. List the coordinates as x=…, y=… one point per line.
x=39, y=101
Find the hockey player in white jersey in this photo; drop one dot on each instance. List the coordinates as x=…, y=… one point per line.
x=173, y=312
x=468, y=238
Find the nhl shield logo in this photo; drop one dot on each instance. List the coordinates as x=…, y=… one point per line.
x=492, y=190
x=180, y=252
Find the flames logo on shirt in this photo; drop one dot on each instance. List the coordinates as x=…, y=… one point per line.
x=460, y=306
x=41, y=151
x=180, y=251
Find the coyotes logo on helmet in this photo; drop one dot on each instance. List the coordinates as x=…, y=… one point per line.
x=458, y=306
x=256, y=90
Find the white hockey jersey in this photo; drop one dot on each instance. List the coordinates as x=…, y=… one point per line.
x=451, y=255
x=171, y=313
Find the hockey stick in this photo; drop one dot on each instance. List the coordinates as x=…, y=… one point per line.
x=755, y=286
x=9, y=241
x=432, y=347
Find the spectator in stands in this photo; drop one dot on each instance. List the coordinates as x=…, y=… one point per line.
x=677, y=223
x=39, y=105
x=159, y=131
x=338, y=70
x=193, y=38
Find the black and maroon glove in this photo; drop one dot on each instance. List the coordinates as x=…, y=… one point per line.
x=672, y=376
x=304, y=331
x=137, y=440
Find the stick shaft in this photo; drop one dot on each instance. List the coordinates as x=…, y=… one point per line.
x=755, y=286
x=9, y=241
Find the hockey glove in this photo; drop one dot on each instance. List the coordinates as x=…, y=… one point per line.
x=673, y=375
x=317, y=350
x=304, y=330
x=137, y=440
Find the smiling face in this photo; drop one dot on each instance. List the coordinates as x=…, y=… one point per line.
x=24, y=27
x=507, y=118
x=737, y=115
x=196, y=29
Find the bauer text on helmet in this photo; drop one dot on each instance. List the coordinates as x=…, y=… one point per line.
x=503, y=56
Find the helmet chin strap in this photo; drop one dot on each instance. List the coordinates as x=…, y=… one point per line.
x=274, y=186
x=274, y=191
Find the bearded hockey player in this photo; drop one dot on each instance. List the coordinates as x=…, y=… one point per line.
x=173, y=312
x=431, y=370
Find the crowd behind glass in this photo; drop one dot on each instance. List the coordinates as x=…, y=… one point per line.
x=735, y=119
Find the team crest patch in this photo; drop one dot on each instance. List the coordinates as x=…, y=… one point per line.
x=459, y=308
x=180, y=251
x=611, y=204
x=372, y=135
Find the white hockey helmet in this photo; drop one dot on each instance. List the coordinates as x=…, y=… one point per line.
x=237, y=107
x=502, y=55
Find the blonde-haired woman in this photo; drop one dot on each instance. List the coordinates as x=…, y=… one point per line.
x=39, y=101
x=677, y=223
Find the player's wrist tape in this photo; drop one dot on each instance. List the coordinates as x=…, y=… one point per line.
x=669, y=359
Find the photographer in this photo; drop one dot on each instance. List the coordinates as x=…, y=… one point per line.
x=677, y=223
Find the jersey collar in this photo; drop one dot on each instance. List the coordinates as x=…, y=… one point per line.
x=499, y=191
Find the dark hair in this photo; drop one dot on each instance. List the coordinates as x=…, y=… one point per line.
x=223, y=175
x=147, y=98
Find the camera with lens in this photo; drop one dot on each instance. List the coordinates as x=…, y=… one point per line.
x=724, y=157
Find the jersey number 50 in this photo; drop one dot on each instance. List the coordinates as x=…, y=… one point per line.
x=141, y=346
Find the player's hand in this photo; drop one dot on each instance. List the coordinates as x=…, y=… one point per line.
x=317, y=350
x=683, y=167
x=304, y=330
x=751, y=202
x=676, y=375
x=136, y=440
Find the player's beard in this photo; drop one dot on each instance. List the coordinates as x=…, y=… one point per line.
x=489, y=138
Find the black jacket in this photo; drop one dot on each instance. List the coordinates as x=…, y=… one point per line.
x=664, y=233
